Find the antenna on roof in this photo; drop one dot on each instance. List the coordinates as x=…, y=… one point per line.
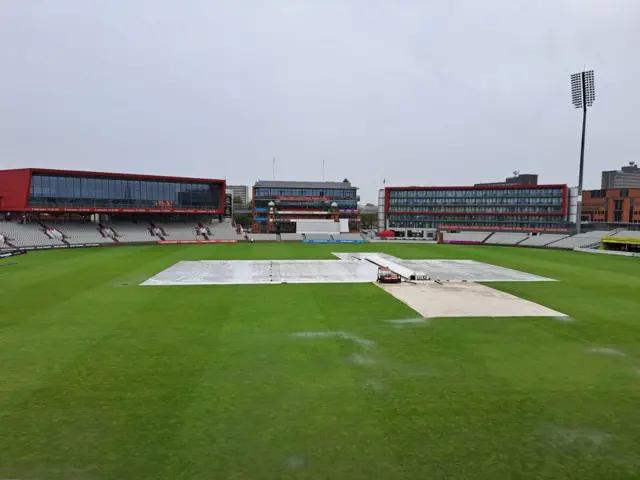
x=273, y=169
x=323, y=170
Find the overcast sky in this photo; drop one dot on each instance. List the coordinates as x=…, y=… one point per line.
x=447, y=92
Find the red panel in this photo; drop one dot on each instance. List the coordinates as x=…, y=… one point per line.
x=14, y=189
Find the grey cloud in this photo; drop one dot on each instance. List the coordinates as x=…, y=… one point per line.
x=417, y=92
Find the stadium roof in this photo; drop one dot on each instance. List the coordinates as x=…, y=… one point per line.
x=85, y=173
x=286, y=184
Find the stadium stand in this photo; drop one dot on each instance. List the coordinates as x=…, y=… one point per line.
x=78, y=233
x=506, y=238
x=582, y=240
x=131, y=232
x=348, y=236
x=541, y=240
x=5, y=244
x=224, y=231
x=27, y=235
x=264, y=237
x=475, y=237
x=291, y=237
x=317, y=236
x=179, y=231
x=628, y=233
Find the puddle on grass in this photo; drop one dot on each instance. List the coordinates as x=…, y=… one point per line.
x=607, y=351
x=295, y=462
x=408, y=322
x=358, y=359
x=364, y=342
x=567, y=436
x=316, y=334
x=376, y=385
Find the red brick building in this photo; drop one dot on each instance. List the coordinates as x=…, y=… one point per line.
x=619, y=205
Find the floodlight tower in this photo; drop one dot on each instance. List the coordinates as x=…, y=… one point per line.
x=583, y=94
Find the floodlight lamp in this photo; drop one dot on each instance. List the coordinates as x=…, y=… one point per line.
x=577, y=89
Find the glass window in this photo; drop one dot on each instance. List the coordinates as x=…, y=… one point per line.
x=68, y=186
x=112, y=189
x=156, y=189
x=46, y=186
x=84, y=185
x=145, y=192
x=36, y=180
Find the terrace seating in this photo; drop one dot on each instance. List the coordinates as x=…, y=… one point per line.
x=347, y=236
x=291, y=237
x=78, y=233
x=223, y=231
x=179, y=231
x=5, y=244
x=264, y=237
x=506, y=238
x=628, y=233
x=318, y=236
x=132, y=232
x=582, y=240
x=541, y=240
x=27, y=235
x=475, y=237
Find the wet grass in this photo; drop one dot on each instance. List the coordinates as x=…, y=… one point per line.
x=100, y=378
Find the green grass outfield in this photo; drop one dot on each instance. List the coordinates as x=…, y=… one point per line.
x=99, y=379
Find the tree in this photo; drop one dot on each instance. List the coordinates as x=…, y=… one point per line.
x=243, y=219
x=368, y=220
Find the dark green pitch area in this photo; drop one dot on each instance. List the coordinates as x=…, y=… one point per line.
x=103, y=379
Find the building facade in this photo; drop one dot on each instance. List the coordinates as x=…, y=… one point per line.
x=514, y=207
x=517, y=179
x=612, y=206
x=57, y=192
x=294, y=201
x=241, y=192
x=626, y=177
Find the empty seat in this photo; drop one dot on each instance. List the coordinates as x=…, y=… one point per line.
x=506, y=238
x=27, y=235
x=472, y=237
x=77, y=233
x=291, y=237
x=542, y=240
x=264, y=237
x=582, y=240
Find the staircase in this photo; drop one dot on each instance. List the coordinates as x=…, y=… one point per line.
x=490, y=235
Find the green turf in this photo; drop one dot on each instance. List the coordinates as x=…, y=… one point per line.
x=99, y=379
